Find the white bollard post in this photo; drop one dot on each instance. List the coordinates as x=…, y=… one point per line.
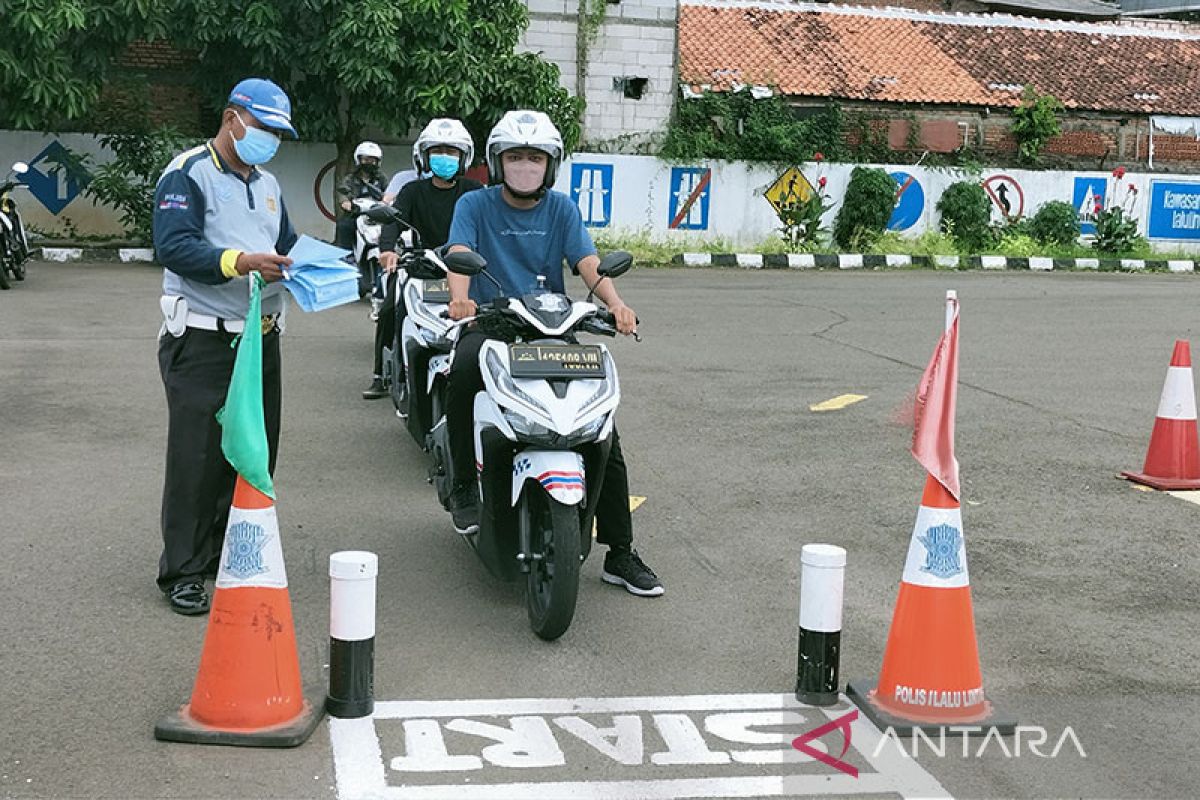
x=352, y=634
x=822, y=577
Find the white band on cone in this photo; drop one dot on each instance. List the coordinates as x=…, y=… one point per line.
x=1178, y=399
x=937, y=553
x=252, y=555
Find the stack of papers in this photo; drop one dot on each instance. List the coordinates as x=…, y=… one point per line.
x=318, y=277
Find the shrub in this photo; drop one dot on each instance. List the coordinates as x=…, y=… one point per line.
x=967, y=215
x=1116, y=233
x=866, y=208
x=1055, y=223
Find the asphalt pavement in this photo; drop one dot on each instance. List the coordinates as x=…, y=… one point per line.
x=1086, y=591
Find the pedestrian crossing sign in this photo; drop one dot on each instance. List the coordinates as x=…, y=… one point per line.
x=788, y=190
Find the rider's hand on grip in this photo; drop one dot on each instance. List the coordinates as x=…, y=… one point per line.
x=461, y=309
x=387, y=260
x=626, y=320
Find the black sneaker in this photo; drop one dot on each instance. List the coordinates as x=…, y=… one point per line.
x=626, y=568
x=376, y=390
x=464, y=508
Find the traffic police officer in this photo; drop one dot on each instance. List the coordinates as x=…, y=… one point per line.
x=218, y=216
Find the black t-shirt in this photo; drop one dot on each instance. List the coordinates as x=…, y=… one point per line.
x=428, y=209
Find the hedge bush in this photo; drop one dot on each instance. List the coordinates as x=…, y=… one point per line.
x=967, y=215
x=1055, y=222
x=866, y=208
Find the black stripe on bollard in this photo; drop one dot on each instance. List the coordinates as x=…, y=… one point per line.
x=817, y=661
x=351, y=678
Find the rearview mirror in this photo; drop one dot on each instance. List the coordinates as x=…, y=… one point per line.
x=464, y=262
x=20, y=168
x=615, y=264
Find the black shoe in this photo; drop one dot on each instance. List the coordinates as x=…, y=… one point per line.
x=188, y=598
x=464, y=508
x=376, y=390
x=626, y=568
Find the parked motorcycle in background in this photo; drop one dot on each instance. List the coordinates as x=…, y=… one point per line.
x=14, y=244
x=366, y=250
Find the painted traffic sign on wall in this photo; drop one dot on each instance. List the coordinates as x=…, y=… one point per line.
x=592, y=190
x=1174, y=210
x=51, y=178
x=1006, y=195
x=1089, y=192
x=788, y=190
x=909, y=204
x=691, y=189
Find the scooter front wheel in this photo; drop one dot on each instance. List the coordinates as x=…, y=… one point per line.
x=552, y=585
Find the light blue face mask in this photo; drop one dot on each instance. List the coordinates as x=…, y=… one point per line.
x=444, y=166
x=257, y=146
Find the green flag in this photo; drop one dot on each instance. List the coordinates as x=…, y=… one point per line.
x=243, y=423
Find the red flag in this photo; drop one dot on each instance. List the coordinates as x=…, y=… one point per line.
x=933, y=411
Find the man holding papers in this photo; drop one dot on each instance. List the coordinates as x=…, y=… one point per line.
x=218, y=216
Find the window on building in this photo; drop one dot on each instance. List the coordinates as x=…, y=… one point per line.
x=631, y=87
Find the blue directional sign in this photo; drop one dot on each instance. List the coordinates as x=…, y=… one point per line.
x=591, y=189
x=691, y=188
x=1088, y=193
x=910, y=202
x=51, y=178
x=1174, y=210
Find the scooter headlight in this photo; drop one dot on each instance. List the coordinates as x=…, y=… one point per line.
x=505, y=382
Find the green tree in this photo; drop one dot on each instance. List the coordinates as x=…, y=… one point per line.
x=866, y=209
x=347, y=64
x=56, y=55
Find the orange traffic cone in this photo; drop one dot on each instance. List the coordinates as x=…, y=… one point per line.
x=247, y=689
x=1173, y=458
x=930, y=676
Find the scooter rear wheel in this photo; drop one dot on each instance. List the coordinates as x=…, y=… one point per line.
x=552, y=585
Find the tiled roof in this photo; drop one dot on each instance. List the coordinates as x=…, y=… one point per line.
x=906, y=56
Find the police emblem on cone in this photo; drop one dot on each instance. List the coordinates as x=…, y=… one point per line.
x=1173, y=458
x=247, y=689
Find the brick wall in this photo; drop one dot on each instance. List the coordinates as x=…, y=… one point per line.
x=633, y=53
x=1088, y=140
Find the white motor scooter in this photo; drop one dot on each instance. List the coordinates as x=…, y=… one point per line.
x=543, y=428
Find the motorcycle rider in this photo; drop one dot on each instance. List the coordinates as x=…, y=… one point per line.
x=444, y=150
x=365, y=180
x=524, y=229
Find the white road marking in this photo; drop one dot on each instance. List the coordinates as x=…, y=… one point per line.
x=712, y=735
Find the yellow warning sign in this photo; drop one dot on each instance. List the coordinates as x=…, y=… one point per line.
x=788, y=189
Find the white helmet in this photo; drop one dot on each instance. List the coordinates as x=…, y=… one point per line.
x=524, y=129
x=443, y=132
x=367, y=150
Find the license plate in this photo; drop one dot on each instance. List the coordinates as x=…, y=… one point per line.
x=436, y=291
x=556, y=361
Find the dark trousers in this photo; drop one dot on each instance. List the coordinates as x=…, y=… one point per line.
x=614, y=523
x=345, y=232
x=198, y=487
x=391, y=317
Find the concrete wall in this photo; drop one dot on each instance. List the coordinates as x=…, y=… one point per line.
x=622, y=194
x=635, y=40
x=305, y=170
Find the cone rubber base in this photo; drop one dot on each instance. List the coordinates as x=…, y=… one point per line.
x=860, y=692
x=1162, y=484
x=181, y=727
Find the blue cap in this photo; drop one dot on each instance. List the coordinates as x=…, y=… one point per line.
x=266, y=101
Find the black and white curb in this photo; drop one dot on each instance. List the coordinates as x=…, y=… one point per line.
x=352, y=634
x=896, y=261
x=822, y=578
x=122, y=254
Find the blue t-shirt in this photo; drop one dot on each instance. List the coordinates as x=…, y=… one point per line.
x=519, y=244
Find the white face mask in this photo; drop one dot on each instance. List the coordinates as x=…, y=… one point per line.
x=524, y=177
